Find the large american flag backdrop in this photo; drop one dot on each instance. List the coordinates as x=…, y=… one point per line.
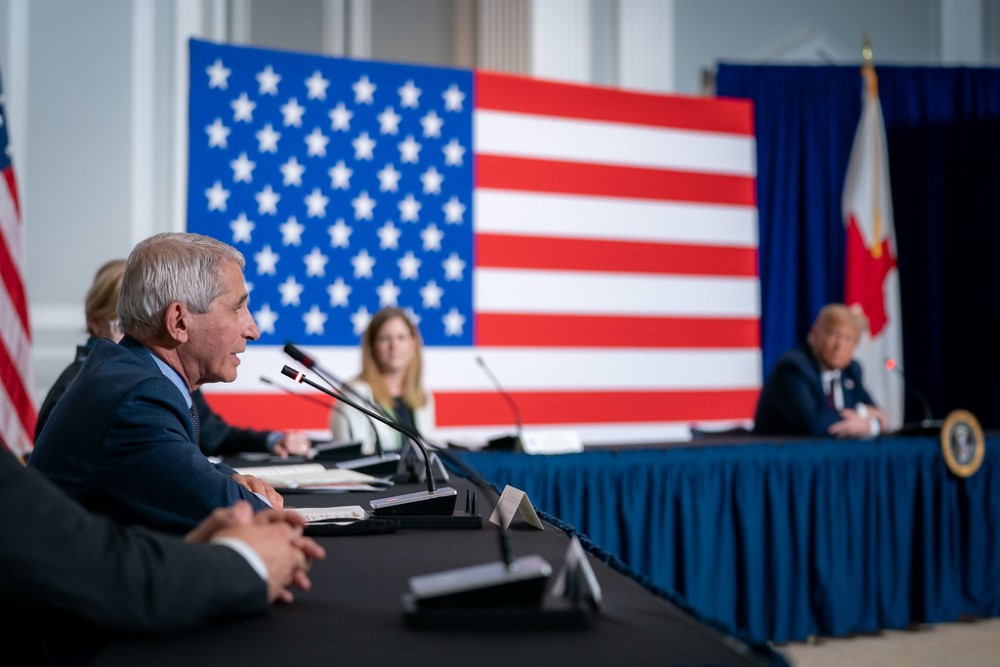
x=596, y=248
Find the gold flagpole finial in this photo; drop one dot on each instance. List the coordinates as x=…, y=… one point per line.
x=868, y=67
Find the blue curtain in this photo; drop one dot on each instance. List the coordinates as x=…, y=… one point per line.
x=943, y=129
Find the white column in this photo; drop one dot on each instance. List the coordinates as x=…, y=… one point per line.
x=646, y=45
x=360, y=29
x=561, y=40
x=505, y=36
x=143, y=111
x=188, y=22
x=241, y=31
x=464, y=34
x=334, y=27
x=219, y=17
x=961, y=32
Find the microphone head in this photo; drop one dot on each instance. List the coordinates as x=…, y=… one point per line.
x=288, y=371
x=265, y=379
x=298, y=355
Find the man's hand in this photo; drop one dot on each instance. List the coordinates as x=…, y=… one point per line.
x=239, y=514
x=293, y=444
x=881, y=416
x=853, y=424
x=258, y=485
x=276, y=536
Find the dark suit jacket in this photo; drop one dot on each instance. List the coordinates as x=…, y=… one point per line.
x=217, y=437
x=80, y=573
x=793, y=402
x=120, y=441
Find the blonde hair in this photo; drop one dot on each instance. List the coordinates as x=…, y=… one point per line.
x=101, y=302
x=413, y=392
x=838, y=313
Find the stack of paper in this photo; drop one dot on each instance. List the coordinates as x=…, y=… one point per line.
x=314, y=477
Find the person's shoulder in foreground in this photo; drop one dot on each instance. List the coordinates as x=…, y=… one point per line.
x=122, y=439
x=795, y=400
x=76, y=576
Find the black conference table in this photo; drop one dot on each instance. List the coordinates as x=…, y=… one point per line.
x=354, y=613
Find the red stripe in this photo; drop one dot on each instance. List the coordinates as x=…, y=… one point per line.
x=519, y=330
x=505, y=92
x=538, y=407
x=12, y=283
x=574, y=254
x=269, y=411
x=469, y=409
x=8, y=177
x=20, y=400
x=599, y=180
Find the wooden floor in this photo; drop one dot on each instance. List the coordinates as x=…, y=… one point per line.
x=973, y=643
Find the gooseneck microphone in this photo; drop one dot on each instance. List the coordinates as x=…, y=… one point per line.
x=339, y=385
x=511, y=582
x=312, y=399
x=433, y=502
x=505, y=442
x=928, y=421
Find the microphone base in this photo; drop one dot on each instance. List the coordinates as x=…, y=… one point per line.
x=488, y=585
x=553, y=614
x=926, y=427
x=506, y=443
x=335, y=451
x=377, y=466
x=421, y=503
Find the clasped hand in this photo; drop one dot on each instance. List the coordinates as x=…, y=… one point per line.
x=275, y=535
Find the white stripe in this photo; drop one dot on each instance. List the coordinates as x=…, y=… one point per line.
x=603, y=142
x=15, y=338
x=592, y=435
x=567, y=216
x=456, y=369
x=17, y=439
x=622, y=434
x=564, y=292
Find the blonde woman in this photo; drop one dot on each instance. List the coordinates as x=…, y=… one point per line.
x=392, y=378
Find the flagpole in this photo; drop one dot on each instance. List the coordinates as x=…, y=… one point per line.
x=871, y=275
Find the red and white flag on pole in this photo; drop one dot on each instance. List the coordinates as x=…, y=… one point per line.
x=871, y=278
x=17, y=410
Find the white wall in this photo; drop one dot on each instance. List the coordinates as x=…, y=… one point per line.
x=95, y=91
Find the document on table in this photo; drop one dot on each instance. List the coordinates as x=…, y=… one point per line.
x=344, y=514
x=314, y=477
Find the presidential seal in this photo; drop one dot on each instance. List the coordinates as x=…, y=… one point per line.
x=962, y=443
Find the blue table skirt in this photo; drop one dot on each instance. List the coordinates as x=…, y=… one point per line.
x=780, y=541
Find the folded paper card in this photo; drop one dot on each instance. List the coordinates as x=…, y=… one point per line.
x=513, y=501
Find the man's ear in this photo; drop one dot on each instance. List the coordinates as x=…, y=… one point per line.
x=177, y=321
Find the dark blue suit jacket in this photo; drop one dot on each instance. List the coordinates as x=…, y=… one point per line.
x=120, y=441
x=793, y=402
x=217, y=438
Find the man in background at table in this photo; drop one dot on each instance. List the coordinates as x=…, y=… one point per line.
x=217, y=437
x=816, y=389
x=123, y=438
